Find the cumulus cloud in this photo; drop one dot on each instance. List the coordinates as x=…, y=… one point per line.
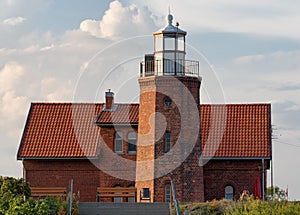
x=13, y=106
x=10, y=74
x=14, y=21
x=273, y=19
x=249, y=59
x=120, y=21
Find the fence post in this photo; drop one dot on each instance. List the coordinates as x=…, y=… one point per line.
x=70, y=197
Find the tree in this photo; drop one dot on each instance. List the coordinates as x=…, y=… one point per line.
x=12, y=191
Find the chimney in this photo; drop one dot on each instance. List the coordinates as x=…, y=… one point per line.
x=109, y=99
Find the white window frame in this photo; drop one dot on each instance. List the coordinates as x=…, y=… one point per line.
x=118, y=199
x=132, y=139
x=229, y=192
x=119, y=140
x=167, y=193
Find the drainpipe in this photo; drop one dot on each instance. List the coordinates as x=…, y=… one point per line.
x=24, y=176
x=263, y=179
x=177, y=209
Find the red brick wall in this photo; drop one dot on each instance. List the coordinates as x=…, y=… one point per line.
x=146, y=137
x=187, y=174
x=52, y=173
x=240, y=174
x=108, y=137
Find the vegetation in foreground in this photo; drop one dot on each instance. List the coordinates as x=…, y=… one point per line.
x=249, y=206
x=15, y=200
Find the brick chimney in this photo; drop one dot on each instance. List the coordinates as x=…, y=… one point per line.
x=109, y=99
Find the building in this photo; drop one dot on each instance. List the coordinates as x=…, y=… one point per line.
x=208, y=151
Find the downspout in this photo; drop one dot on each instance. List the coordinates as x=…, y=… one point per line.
x=272, y=182
x=24, y=176
x=263, y=179
x=24, y=170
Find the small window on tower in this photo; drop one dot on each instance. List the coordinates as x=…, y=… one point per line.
x=167, y=142
x=168, y=193
x=145, y=193
x=168, y=101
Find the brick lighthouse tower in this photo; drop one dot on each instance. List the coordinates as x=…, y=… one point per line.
x=169, y=134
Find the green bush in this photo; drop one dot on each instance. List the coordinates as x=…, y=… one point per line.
x=249, y=206
x=15, y=200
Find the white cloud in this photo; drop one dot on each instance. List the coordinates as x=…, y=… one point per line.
x=14, y=21
x=249, y=59
x=10, y=75
x=13, y=106
x=92, y=27
x=10, y=2
x=47, y=48
x=268, y=18
x=119, y=21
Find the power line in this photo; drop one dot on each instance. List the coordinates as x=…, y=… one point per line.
x=290, y=144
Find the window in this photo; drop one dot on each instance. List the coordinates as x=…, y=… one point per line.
x=118, y=199
x=168, y=193
x=180, y=43
x=131, y=199
x=229, y=192
x=132, y=142
x=119, y=142
x=167, y=101
x=169, y=43
x=167, y=142
x=159, y=46
x=145, y=193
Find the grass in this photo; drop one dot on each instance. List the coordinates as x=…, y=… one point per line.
x=249, y=206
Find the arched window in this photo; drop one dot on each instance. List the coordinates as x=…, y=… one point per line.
x=167, y=142
x=119, y=142
x=131, y=199
x=118, y=199
x=131, y=142
x=229, y=192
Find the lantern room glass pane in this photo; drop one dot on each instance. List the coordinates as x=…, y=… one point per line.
x=180, y=43
x=159, y=45
x=169, y=63
x=169, y=43
x=158, y=65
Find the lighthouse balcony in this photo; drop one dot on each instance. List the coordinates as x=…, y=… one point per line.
x=167, y=67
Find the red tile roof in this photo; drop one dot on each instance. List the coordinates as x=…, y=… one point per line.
x=236, y=130
x=66, y=130
x=123, y=114
x=60, y=130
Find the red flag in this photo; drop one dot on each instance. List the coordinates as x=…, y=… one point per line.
x=257, y=188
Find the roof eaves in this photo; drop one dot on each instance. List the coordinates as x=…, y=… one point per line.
x=110, y=124
x=236, y=158
x=59, y=158
x=25, y=131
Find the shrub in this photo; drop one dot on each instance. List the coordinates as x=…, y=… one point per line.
x=249, y=206
x=14, y=200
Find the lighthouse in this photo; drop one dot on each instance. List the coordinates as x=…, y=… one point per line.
x=169, y=134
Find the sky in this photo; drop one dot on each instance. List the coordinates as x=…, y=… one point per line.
x=73, y=51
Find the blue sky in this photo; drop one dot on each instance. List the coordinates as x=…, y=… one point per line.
x=59, y=50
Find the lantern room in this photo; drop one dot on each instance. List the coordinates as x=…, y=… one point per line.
x=169, y=54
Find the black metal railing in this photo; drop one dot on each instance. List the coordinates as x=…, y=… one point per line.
x=169, y=67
